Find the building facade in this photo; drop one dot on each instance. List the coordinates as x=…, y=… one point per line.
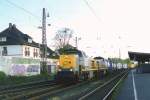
x=20, y=55
x=17, y=44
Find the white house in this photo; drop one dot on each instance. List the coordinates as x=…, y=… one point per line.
x=19, y=54
x=17, y=44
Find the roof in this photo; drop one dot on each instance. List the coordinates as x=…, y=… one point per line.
x=16, y=37
x=51, y=53
x=71, y=51
x=98, y=57
x=138, y=56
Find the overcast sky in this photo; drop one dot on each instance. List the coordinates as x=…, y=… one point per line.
x=109, y=26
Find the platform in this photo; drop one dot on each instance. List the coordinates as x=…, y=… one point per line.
x=135, y=87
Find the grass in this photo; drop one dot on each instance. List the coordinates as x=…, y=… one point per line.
x=13, y=80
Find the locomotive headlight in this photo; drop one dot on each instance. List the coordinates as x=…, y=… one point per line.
x=71, y=69
x=59, y=70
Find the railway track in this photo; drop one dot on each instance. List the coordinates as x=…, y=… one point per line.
x=32, y=91
x=76, y=91
x=51, y=90
x=108, y=96
x=45, y=95
x=39, y=92
x=36, y=92
x=105, y=91
x=94, y=90
x=9, y=92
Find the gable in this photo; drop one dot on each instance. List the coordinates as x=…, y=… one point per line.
x=15, y=37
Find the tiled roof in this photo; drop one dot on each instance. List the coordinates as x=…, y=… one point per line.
x=16, y=37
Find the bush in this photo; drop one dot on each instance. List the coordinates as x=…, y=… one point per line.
x=2, y=75
x=27, y=79
x=13, y=80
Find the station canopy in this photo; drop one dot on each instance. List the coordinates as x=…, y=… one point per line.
x=140, y=57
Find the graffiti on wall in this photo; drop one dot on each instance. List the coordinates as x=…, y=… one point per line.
x=24, y=69
x=33, y=68
x=18, y=69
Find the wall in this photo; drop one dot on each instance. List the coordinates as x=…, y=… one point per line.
x=12, y=50
x=52, y=64
x=18, y=66
x=31, y=52
x=4, y=63
x=19, y=51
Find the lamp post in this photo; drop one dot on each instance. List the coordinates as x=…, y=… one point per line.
x=43, y=47
x=77, y=40
x=119, y=47
x=119, y=37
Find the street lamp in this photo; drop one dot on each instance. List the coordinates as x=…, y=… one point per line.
x=119, y=47
x=76, y=41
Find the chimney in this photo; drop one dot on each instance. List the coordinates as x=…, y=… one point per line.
x=10, y=25
x=14, y=26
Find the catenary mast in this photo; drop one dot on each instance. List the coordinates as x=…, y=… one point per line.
x=44, y=43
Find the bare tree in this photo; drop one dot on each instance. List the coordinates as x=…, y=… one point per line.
x=63, y=37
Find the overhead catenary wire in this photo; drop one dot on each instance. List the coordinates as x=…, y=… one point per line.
x=23, y=9
x=92, y=10
x=99, y=21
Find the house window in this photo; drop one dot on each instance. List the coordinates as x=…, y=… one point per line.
x=4, y=52
x=29, y=40
x=2, y=39
x=35, y=53
x=27, y=51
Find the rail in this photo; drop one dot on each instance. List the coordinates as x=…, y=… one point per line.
x=13, y=91
x=109, y=94
x=104, y=86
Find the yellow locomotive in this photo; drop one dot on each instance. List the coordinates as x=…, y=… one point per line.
x=73, y=67
x=77, y=66
x=99, y=67
x=68, y=61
